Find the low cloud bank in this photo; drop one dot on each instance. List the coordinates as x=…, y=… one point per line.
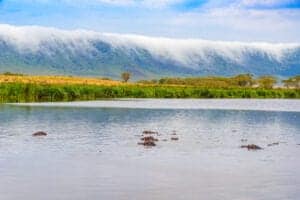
x=188, y=52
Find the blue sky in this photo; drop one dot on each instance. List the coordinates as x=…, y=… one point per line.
x=246, y=20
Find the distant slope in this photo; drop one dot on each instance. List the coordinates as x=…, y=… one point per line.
x=40, y=50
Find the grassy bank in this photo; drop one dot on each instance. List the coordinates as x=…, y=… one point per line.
x=58, y=80
x=33, y=92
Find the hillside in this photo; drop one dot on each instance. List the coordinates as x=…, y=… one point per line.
x=39, y=50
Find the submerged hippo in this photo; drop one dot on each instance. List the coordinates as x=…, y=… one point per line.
x=149, y=138
x=150, y=132
x=273, y=144
x=39, y=133
x=148, y=141
x=251, y=147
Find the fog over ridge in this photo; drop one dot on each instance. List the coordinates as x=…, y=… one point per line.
x=188, y=52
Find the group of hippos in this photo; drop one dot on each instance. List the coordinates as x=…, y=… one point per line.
x=148, y=139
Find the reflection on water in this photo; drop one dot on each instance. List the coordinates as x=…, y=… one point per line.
x=92, y=153
x=217, y=104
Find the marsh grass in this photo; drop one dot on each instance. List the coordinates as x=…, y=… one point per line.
x=24, y=88
x=32, y=92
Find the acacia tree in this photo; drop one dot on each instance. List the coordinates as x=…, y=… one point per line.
x=293, y=82
x=267, y=82
x=125, y=76
x=244, y=80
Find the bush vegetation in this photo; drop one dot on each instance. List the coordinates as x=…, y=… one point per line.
x=22, y=92
x=241, y=80
x=16, y=88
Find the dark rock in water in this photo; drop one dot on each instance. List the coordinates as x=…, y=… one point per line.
x=149, y=138
x=164, y=140
x=234, y=131
x=273, y=144
x=174, y=133
x=149, y=132
x=244, y=140
x=39, y=133
x=147, y=143
x=174, y=138
x=251, y=147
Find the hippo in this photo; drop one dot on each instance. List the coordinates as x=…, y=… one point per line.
x=39, y=133
x=149, y=138
x=251, y=147
x=149, y=132
x=174, y=138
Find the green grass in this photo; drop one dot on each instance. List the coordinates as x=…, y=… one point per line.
x=22, y=92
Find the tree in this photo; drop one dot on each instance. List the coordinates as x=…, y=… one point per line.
x=244, y=80
x=267, y=82
x=125, y=76
x=293, y=82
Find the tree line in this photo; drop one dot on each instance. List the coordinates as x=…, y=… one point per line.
x=242, y=80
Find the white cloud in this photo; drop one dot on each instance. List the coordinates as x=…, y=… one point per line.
x=238, y=21
x=148, y=3
x=266, y=2
x=189, y=52
x=225, y=20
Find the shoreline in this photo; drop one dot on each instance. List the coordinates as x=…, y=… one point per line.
x=279, y=105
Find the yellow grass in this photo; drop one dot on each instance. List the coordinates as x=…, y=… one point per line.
x=60, y=80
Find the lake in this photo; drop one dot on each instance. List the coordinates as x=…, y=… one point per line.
x=91, y=150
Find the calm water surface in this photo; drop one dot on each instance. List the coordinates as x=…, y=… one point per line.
x=91, y=150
